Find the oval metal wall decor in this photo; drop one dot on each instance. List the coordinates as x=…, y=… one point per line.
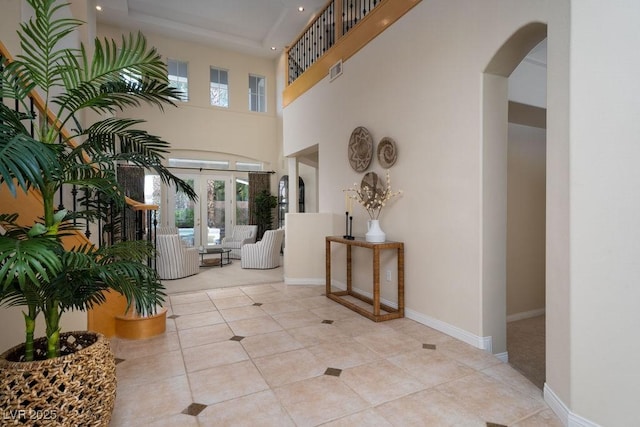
x=360, y=149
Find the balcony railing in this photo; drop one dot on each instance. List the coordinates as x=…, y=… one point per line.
x=334, y=21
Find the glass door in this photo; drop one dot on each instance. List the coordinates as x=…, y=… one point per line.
x=202, y=222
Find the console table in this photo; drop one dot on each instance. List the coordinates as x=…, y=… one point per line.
x=373, y=314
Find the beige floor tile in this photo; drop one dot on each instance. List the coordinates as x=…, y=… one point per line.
x=296, y=319
x=232, y=302
x=271, y=343
x=225, y=293
x=140, y=405
x=279, y=307
x=270, y=297
x=317, y=400
x=257, y=289
x=204, y=335
x=467, y=354
x=315, y=302
x=343, y=354
x=355, y=326
x=254, y=326
x=133, y=349
x=335, y=312
x=285, y=368
x=369, y=418
x=226, y=382
x=181, y=420
x=211, y=355
x=388, y=342
x=259, y=409
x=431, y=368
x=240, y=313
x=380, y=381
x=544, y=418
x=419, y=332
x=151, y=368
x=507, y=375
x=188, y=298
x=317, y=334
x=428, y=409
x=490, y=399
x=304, y=291
x=199, y=319
x=193, y=308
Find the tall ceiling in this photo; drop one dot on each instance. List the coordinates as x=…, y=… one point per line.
x=248, y=26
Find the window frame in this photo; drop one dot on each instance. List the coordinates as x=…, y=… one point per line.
x=260, y=97
x=174, y=82
x=218, y=85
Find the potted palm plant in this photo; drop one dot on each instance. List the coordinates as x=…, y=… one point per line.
x=44, y=152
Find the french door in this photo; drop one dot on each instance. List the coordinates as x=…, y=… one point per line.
x=222, y=202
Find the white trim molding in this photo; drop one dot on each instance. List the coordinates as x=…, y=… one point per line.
x=567, y=417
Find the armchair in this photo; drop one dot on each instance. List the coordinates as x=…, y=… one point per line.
x=240, y=235
x=174, y=260
x=264, y=254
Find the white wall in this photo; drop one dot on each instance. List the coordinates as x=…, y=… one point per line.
x=420, y=83
x=605, y=211
x=526, y=210
x=198, y=126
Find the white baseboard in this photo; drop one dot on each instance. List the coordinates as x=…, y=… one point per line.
x=567, y=417
x=303, y=281
x=504, y=357
x=483, y=343
x=525, y=315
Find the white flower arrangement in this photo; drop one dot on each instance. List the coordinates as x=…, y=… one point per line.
x=371, y=194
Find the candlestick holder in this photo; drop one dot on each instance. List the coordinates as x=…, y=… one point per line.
x=348, y=225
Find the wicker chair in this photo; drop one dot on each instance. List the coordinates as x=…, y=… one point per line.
x=240, y=235
x=266, y=253
x=175, y=260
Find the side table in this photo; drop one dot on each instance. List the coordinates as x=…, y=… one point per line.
x=373, y=314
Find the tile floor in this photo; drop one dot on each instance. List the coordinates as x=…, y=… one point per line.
x=278, y=355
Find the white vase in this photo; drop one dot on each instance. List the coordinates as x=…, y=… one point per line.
x=374, y=233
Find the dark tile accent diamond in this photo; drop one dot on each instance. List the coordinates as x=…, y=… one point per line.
x=429, y=346
x=328, y=322
x=257, y=304
x=489, y=424
x=333, y=371
x=236, y=338
x=173, y=316
x=194, y=409
x=118, y=360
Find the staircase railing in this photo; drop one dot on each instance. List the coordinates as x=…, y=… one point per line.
x=334, y=21
x=137, y=221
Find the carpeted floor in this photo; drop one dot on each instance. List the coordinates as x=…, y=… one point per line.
x=526, y=347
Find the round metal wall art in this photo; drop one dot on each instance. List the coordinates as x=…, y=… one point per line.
x=371, y=186
x=387, y=152
x=360, y=149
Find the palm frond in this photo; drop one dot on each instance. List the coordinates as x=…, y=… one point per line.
x=28, y=260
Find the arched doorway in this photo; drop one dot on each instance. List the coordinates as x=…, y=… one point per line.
x=495, y=179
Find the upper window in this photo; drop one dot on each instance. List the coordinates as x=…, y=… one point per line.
x=219, y=87
x=257, y=94
x=177, y=74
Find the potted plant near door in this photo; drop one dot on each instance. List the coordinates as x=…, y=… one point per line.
x=264, y=204
x=69, y=378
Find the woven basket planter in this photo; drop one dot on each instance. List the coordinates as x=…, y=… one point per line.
x=75, y=389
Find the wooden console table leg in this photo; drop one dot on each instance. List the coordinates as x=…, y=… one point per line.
x=376, y=281
x=401, y=281
x=349, y=282
x=328, y=267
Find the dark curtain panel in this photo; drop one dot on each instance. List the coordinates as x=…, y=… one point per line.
x=257, y=182
x=131, y=179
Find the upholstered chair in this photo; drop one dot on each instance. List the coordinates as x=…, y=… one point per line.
x=240, y=235
x=264, y=254
x=174, y=260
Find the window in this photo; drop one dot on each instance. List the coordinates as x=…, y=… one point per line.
x=257, y=94
x=177, y=74
x=219, y=87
